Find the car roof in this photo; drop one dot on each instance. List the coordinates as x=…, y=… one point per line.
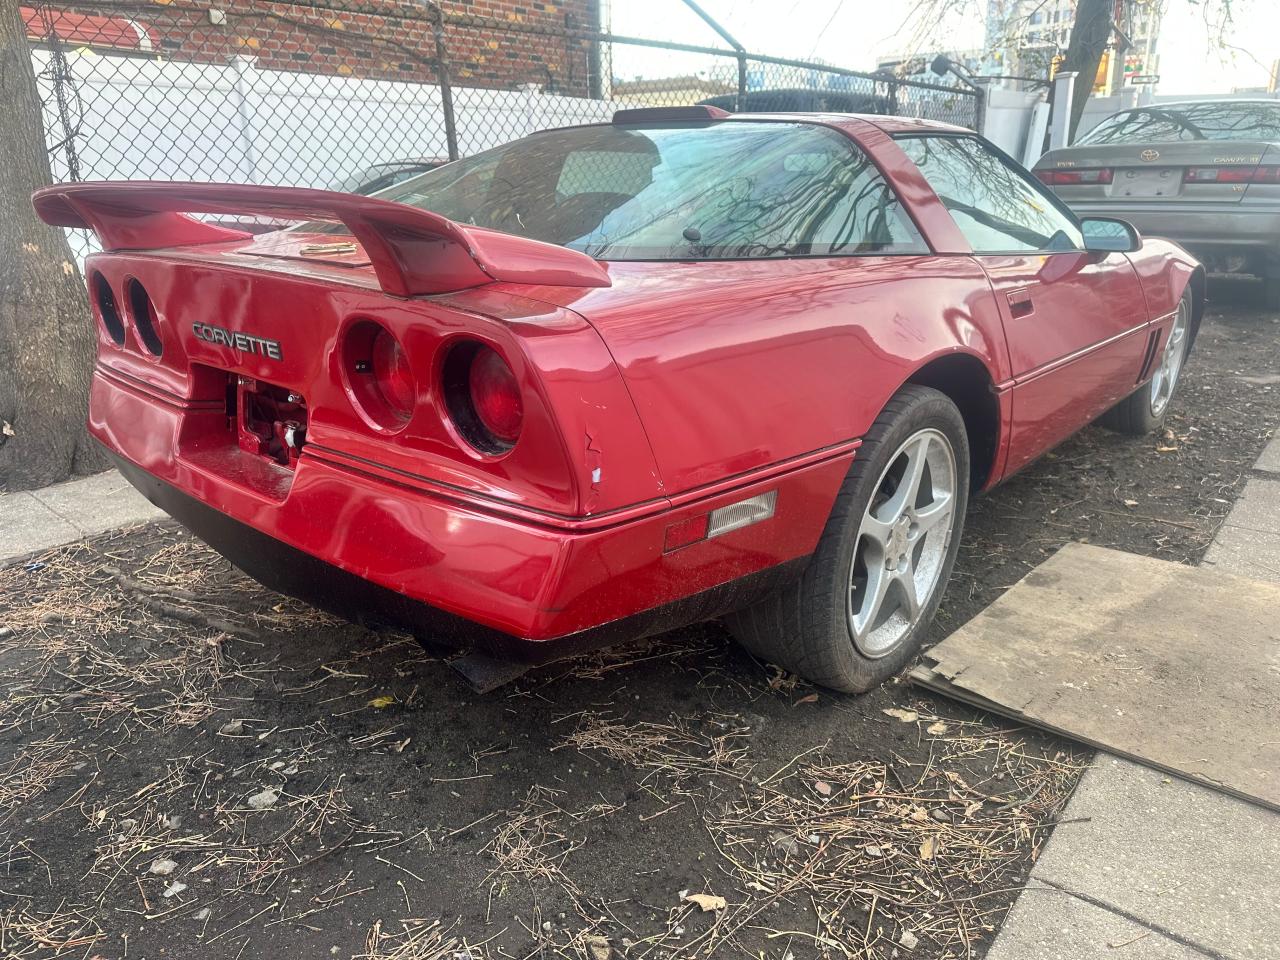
x=1199, y=103
x=887, y=123
x=407, y=161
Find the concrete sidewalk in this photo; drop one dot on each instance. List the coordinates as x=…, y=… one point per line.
x=1153, y=867
x=33, y=520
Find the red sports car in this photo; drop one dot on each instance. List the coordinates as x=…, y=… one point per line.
x=607, y=380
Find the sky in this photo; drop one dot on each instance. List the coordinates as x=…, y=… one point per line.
x=853, y=33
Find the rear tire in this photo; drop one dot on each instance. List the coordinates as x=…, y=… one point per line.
x=862, y=607
x=1144, y=410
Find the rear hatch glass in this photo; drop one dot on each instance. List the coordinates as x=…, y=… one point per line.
x=1182, y=123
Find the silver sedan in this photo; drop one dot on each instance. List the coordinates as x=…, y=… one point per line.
x=1204, y=173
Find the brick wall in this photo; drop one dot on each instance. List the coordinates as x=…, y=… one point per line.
x=490, y=43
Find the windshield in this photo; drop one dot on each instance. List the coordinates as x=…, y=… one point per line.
x=1241, y=120
x=676, y=192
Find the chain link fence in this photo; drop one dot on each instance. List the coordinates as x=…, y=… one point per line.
x=360, y=94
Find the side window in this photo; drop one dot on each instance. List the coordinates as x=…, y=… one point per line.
x=997, y=208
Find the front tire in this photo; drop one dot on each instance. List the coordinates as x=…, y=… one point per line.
x=1143, y=411
x=863, y=605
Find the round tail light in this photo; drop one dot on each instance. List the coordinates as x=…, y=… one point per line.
x=392, y=375
x=495, y=395
x=483, y=397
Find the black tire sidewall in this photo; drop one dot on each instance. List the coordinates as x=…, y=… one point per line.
x=828, y=577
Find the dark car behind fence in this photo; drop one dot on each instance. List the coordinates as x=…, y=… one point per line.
x=304, y=94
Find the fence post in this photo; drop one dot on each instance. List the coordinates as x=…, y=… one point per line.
x=248, y=134
x=741, y=102
x=442, y=75
x=980, y=108
x=1060, y=118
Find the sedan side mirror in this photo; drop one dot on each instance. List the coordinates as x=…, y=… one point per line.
x=1109, y=235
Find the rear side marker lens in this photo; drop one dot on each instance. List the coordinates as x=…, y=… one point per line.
x=742, y=514
x=143, y=313
x=109, y=313
x=722, y=520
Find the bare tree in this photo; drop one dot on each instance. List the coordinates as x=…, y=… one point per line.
x=46, y=338
x=1092, y=30
x=1089, y=35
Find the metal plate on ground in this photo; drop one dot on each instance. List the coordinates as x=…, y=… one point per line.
x=1172, y=666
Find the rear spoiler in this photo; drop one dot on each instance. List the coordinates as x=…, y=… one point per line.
x=412, y=251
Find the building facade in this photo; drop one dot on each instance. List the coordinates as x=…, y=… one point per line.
x=502, y=44
x=1029, y=38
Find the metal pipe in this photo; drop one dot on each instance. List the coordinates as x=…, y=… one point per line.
x=442, y=76
x=711, y=22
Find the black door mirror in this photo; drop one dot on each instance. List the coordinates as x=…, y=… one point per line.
x=1109, y=235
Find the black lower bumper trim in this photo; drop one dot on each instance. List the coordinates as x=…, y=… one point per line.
x=296, y=573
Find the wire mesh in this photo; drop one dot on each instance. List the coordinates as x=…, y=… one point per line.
x=354, y=95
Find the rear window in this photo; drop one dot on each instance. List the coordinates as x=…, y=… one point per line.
x=677, y=192
x=1242, y=120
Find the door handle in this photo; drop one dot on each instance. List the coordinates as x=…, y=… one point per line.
x=1020, y=304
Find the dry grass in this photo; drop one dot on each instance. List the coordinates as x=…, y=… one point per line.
x=884, y=865
x=29, y=933
x=880, y=863
x=529, y=845
x=872, y=859
x=417, y=940
x=32, y=770
x=145, y=648
x=681, y=748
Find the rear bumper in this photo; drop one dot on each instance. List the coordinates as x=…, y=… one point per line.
x=374, y=548
x=1198, y=227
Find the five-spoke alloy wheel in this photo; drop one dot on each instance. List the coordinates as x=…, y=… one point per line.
x=902, y=543
x=1143, y=411
x=863, y=605
x=1165, y=377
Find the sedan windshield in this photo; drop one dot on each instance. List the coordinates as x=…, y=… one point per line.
x=1237, y=120
x=676, y=192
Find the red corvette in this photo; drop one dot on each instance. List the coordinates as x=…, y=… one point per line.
x=607, y=380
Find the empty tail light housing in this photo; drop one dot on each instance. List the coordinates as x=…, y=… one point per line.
x=108, y=310
x=483, y=397
x=1079, y=177
x=143, y=314
x=379, y=375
